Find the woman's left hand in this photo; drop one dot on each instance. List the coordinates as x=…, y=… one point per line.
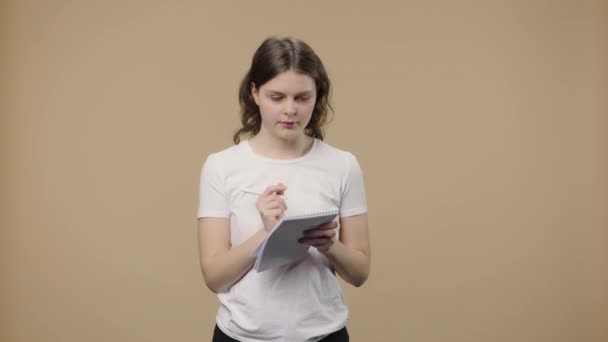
x=322, y=237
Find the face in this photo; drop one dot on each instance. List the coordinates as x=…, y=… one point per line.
x=286, y=103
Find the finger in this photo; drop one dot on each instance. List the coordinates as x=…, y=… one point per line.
x=283, y=188
x=319, y=233
x=329, y=225
x=324, y=248
x=324, y=228
x=325, y=234
x=275, y=203
x=272, y=198
x=282, y=203
x=278, y=188
x=315, y=242
x=274, y=213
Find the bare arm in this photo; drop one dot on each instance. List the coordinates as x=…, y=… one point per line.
x=350, y=256
x=222, y=266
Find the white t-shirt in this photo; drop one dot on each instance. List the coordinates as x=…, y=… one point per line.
x=301, y=301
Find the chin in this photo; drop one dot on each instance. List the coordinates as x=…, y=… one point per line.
x=290, y=135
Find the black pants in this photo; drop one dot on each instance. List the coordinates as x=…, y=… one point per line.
x=338, y=336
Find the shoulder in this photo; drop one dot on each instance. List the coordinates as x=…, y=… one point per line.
x=222, y=163
x=342, y=158
x=328, y=150
x=228, y=155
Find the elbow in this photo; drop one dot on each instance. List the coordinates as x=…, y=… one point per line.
x=359, y=281
x=358, y=275
x=212, y=284
x=213, y=287
x=359, y=284
x=363, y=276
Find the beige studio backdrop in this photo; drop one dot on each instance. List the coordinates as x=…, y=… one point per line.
x=481, y=127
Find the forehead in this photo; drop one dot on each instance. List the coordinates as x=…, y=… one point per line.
x=290, y=82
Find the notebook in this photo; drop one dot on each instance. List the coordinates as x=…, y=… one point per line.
x=281, y=246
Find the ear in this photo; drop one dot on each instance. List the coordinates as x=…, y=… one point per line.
x=255, y=94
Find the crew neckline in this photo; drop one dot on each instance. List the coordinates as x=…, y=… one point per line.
x=252, y=153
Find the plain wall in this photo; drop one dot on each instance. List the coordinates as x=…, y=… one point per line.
x=481, y=127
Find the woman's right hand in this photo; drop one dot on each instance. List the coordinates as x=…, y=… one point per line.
x=271, y=205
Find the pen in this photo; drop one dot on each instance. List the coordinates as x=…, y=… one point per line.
x=249, y=191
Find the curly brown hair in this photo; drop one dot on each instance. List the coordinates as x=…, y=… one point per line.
x=274, y=56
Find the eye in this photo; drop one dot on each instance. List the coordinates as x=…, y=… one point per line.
x=276, y=98
x=304, y=98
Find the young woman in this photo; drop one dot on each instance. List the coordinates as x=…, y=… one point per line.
x=283, y=168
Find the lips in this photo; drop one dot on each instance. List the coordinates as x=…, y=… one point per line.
x=288, y=124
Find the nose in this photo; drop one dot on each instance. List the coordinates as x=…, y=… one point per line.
x=290, y=107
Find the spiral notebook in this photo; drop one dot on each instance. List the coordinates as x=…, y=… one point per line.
x=281, y=246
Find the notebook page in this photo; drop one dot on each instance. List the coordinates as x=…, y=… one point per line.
x=282, y=246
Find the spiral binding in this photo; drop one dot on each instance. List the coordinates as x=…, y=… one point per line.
x=313, y=215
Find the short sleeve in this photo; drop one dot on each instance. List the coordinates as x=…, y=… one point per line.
x=212, y=196
x=353, y=201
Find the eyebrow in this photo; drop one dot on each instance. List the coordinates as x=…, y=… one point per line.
x=308, y=92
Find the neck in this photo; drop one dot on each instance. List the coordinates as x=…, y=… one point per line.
x=277, y=148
